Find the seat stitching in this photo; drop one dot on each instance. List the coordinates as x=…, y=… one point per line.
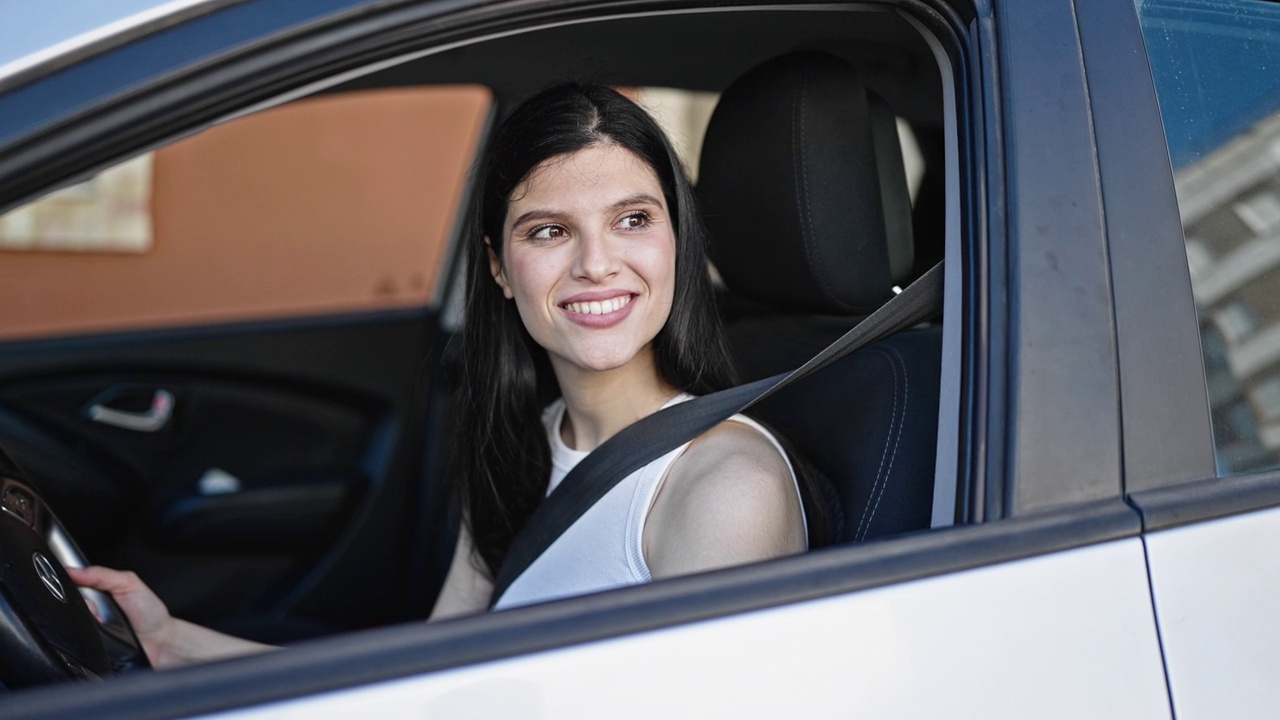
x=902, y=422
x=798, y=171
x=803, y=200
x=858, y=534
x=884, y=471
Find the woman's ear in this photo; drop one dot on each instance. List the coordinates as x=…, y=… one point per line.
x=495, y=269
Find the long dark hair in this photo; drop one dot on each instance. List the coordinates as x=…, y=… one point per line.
x=502, y=460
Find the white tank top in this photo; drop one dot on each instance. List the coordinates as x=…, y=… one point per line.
x=602, y=550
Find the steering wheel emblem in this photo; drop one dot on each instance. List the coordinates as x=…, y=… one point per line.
x=48, y=576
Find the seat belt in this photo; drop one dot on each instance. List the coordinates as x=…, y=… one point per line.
x=655, y=435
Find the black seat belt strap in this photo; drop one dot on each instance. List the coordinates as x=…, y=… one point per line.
x=655, y=435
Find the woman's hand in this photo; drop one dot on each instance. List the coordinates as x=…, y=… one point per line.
x=168, y=641
x=146, y=612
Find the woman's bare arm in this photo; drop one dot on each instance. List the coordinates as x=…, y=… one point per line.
x=466, y=588
x=728, y=500
x=168, y=641
x=171, y=642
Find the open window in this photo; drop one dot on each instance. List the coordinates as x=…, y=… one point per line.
x=339, y=206
x=342, y=203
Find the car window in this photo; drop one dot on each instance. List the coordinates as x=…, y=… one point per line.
x=1216, y=68
x=334, y=204
x=683, y=115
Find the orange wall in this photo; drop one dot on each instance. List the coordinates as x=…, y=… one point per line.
x=326, y=205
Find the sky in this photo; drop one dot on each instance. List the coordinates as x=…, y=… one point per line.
x=27, y=26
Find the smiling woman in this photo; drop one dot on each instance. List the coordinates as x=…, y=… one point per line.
x=598, y=295
x=589, y=307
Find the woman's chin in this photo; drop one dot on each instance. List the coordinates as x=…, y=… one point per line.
x=603, y=364
x=609, y=359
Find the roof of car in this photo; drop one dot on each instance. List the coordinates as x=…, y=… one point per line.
x=35, y=41
x=672, y=50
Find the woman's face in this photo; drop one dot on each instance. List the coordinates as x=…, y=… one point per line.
x=589, y=257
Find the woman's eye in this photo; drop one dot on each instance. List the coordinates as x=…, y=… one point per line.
x=635, y=221
x=548, y=232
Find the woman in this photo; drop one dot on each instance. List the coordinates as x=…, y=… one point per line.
x=588, y=307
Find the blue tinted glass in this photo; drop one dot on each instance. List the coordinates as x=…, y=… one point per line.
x=1216, y=67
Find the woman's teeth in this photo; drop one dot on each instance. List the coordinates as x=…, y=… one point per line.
x=600, y=307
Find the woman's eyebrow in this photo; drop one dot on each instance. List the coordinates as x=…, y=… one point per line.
x=640, y=198
x=539, y=214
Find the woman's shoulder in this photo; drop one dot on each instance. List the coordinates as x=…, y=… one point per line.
x=729, y=498
x=737, y=447
x=736, y=464
x=735, y=444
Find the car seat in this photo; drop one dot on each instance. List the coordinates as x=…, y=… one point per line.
x=806, y=202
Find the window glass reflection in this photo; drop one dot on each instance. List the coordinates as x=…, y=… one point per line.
x=1217, y=72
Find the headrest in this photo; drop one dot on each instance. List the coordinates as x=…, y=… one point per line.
x=803, y=188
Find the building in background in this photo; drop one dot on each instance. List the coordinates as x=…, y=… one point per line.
x=1230, y=201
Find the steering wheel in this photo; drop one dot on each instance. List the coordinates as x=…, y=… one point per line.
x=47, y=632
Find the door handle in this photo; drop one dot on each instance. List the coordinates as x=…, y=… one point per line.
x=155, y=418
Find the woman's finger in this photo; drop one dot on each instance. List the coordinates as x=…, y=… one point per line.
x=105, y=579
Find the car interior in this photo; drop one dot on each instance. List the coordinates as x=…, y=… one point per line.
x=826, y=245
x=338, y=515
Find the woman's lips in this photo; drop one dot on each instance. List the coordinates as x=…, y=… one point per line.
x=598, y=313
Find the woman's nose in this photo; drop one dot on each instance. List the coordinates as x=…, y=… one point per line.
x=596, y=259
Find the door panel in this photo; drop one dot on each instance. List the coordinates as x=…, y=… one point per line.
x=213, y=456
x=1067, y=635
x=1217, y=587
x=285, y=444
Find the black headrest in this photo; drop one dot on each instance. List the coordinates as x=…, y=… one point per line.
x=803, y=188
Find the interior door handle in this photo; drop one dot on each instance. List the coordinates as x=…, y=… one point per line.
x=156, y=417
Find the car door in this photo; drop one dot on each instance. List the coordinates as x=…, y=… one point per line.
x=221, y=357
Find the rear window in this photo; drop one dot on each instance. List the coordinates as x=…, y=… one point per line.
x=1217, y=73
